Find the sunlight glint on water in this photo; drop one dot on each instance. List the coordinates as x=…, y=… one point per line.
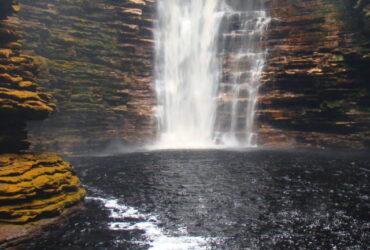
x=194, y=39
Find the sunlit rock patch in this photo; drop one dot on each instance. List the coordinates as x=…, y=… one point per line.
x=34, y=190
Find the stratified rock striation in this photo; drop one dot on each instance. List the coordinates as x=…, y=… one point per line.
x=316, y=90
x=34, y=190
x=20, y=98
x=96, y=57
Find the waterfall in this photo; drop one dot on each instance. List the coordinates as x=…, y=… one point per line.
x=208, y=67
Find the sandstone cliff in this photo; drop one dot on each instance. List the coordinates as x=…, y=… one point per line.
x=20, y=98
x=316, y=90
x=96, y=58
x=36, y=190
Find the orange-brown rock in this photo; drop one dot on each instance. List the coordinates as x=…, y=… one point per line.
x=35, y=190
x=98, y=60
x=7, y=7
x=96, y=57
x=21, y=100
x=316, y=90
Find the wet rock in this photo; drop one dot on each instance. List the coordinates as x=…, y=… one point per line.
x=96, y=58
x=35, y=190
x=21, y=99
x=315, y=85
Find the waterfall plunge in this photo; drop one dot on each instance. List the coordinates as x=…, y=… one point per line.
x=208, y=68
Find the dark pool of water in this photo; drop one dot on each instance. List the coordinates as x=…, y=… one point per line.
x=265, y=199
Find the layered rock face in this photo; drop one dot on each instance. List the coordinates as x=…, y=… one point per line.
x=20, y=98
x=316, y=90
x=34, y=191
x=96, y=57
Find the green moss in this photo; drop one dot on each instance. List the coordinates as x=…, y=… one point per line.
x=339, y=58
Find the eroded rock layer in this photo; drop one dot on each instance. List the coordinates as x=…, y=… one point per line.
x=20, y=98
x=96, y=57
x=34, y=191
x=316, y=90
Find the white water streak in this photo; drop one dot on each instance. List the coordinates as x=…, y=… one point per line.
x=127, y=218
x=189, y=39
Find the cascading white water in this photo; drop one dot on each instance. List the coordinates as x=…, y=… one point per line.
x=197, y=42
x=244, y=60
x=187, y=71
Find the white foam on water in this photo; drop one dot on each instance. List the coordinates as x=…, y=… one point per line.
x=128, y=218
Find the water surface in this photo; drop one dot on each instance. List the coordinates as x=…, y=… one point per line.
x=260, y=199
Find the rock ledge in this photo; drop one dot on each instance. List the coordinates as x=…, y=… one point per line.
x=36, y=191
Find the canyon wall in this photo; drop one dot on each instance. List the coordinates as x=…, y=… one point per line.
x=316, y=83
x=97, y=59
x=21, y=99
x=37, y=191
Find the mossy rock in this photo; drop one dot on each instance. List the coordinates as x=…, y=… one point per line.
x=35, y=186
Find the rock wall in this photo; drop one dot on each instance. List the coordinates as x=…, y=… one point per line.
x=36, y=190
x=316, y=90
x=96, y=57
x=21, y=99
